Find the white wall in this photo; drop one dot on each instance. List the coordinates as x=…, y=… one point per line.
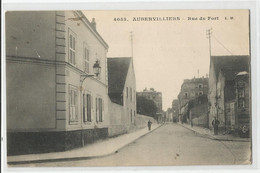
x=97, y=87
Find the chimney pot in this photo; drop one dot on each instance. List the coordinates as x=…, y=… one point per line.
x=93, y=23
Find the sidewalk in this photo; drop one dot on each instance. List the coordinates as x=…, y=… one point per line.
x=210, y=134
x=98, y=149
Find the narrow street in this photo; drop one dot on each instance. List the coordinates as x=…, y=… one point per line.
x=169, y=145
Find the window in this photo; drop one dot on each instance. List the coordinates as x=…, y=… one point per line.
x=200, y=86
x=241, y=93
x=99, y=109
x=131, y=113
x=134, y=96
x=127, y=110
x=96, y=109
x=72, y=48
x=241, y=103
x=86, y=58
x=186, y=95
x=200, y=93
x=241, y=97
x=87, y=107
x=131, y=96
x=73, y=98
x=106, y=67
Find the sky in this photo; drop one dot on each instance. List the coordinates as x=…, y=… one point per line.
x=169, y=51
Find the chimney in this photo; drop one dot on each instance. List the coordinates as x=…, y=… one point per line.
x=93, y=24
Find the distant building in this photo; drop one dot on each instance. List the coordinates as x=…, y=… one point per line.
x=229, y=91
x=193, y=101
x=156, y=97
x=169, y=115
x=49, y=106
x=122, y=93
x=175, y=110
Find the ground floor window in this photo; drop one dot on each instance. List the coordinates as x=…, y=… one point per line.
x=99, y=109
x=87, y=107
x=73, y=104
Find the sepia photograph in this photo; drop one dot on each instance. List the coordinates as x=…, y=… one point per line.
x=113, y=88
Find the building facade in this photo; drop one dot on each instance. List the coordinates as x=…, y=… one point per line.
x=51, y=103
x=192, y=99
x=175, y=110
x=122, y=94
x=156, y=96
x=225, y=90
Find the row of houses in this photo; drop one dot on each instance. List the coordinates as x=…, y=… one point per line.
x=62, y=90
x=224, y=95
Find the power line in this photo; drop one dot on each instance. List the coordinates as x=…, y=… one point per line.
x=222, y=45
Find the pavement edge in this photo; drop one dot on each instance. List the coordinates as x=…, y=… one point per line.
x=80, y=158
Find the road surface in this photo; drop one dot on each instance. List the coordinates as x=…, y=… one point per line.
x=169, y=145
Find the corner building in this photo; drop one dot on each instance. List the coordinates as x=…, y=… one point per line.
x=49, y=106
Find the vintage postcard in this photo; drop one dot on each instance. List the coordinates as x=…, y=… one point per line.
x=88, y=88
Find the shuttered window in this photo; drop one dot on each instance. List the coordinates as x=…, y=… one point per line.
x=73, y=104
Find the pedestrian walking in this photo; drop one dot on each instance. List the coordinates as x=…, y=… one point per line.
x=215, y=124
x=149, y=125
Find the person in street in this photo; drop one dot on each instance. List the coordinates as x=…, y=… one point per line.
x=149, y=125
x=215, y=124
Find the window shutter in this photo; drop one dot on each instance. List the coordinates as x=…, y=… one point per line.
x=97, y=118
x=84, y=106
x=69, y=104
x=76, y=105
x=103, y=114
x=92, y=102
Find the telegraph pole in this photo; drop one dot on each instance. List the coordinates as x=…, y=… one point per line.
x=208, y=33
x=132, y=50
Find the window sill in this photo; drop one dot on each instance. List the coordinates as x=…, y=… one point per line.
x=87, y=122
x=75, y=122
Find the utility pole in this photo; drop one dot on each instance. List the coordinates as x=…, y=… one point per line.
x=208, y=33
x=132, y=50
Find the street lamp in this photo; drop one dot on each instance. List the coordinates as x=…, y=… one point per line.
x=96, y=70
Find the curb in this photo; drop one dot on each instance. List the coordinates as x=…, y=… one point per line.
x=213, y=137
x=79, y=158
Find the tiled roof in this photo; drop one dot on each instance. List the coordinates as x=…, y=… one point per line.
x=230, y=65
x=117, y=72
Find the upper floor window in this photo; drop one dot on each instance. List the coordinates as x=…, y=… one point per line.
x=241, y=97
x=86, y=58
x=186, y=95
x=72, y=48
x=200, y=85
x=131, y=94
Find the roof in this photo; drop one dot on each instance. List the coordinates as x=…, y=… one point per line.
x=90, y=27
x=230, y=65
x=117, y=73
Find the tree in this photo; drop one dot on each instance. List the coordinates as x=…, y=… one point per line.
x=146, y=106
